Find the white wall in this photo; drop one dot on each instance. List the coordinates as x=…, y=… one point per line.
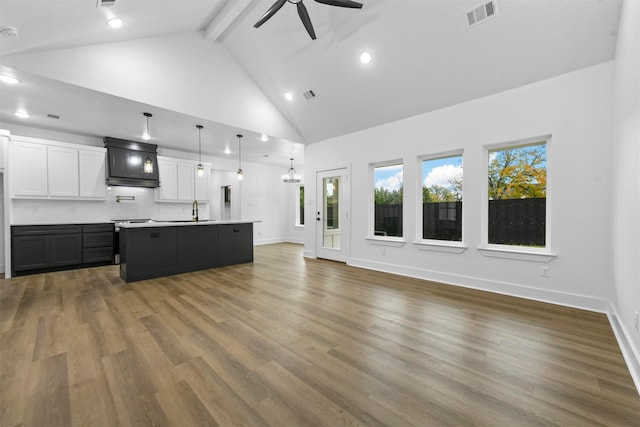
x=626, y=182
x=574, y=108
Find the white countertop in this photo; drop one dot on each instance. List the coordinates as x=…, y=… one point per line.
x=182, y=223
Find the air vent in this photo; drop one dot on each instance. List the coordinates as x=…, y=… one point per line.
x=309, y=94
x=105, y=3
x=481, y=13
x=53, y=116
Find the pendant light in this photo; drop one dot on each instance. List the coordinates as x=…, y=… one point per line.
x=200, y=167
x=240, y=171
x=291, y=177
x=148, y=163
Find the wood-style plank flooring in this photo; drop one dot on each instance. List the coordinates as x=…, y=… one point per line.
x=286, y=341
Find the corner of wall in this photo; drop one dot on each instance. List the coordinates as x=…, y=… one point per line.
x=629, y=352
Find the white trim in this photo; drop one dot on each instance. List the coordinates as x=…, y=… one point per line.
x=544, y=295
x=517, y=253
x=484, y=211
x=452, y=247
x=583, y=302
x=419, y=203
x=372, y=197
x=629, y=351
x=386, y=241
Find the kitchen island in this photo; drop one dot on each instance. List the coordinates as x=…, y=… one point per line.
x=156, y=249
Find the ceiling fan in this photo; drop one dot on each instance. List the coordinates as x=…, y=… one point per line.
x=302, y=11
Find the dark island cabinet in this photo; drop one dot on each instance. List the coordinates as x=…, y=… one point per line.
x=235, y=243
x=148, y=252
x=40, y=248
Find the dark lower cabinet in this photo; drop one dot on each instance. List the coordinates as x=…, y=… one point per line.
x=40, y=248
x=235, y=243
x=148, y=252
x=30, y=252
x=66, y=249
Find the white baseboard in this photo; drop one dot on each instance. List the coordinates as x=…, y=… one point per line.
x=629, y=352
x=259, y=242
x=543, y=295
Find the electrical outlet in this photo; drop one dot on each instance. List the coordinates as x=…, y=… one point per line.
x=637, y=321
x=544, y=272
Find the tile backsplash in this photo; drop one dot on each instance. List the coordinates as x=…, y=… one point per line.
x=78, y=211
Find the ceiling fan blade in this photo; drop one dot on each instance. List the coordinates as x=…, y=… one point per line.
x=342, y=3
x=306, y=21
x=269, y=13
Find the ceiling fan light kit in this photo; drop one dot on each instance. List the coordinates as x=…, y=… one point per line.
x=302, y=12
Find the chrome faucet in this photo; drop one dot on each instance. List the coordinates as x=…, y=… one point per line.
x=194, y=210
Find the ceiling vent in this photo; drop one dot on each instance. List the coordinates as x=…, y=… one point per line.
x=481, y=13
x=53, y=116
x=309, y=95
x=105, y=3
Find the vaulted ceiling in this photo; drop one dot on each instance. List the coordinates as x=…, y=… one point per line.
x=202, y=61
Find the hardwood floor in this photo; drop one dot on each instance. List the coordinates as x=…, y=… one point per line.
x=291, y=342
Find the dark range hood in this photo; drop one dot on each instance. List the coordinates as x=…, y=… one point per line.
x=126, y=163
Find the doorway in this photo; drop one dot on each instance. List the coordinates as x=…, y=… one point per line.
x=332, y=216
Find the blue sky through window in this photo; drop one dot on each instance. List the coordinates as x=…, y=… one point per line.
x=440, y=171
x=388, y=177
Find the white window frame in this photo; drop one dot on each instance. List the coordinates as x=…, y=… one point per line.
x=385, y=240
x=509, y=251
x=297, y=204
x=435, y=244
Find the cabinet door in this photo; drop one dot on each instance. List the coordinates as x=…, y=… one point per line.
x=66, y=249
x=29, y=169
x=186, y=175
x=63, y=172
x=235, y=243
x=202, y=185
x=92, y=174
x=30, y=252
x=168, y=170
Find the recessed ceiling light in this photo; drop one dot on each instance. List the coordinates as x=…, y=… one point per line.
x=115, y=22
x=264, y=138
x=146, y=136
x=8, y=79
x=22, y=114
x=365, y=58
x=288, y=96
x=227, y=150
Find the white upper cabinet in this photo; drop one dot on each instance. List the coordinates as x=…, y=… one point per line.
x=56, y=170
x=168, y=174
x=63, y=172
x=92, y=174
x=179, y=181
x=29, y=170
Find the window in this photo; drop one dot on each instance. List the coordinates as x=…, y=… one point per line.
x=300, y=206
x=517, y=195
x=388, y=185
x=442, y=197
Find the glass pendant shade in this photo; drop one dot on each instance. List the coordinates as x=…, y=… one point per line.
x=240, y=171
x=291, y=176
x=200, y=167
x=148, y=165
